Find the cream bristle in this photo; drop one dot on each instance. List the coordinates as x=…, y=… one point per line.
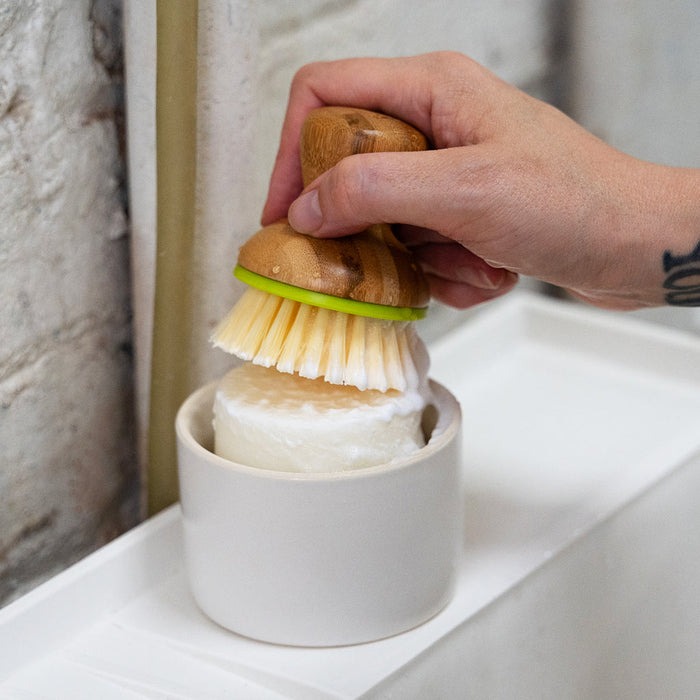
x=332, y=367
x=236, y=323
x=355, y=367
x=342, y=348
x=313, y=352
x=414, y=356
x=287, y=361
x=392, y=355
x=233, y=333
x=258, y=330
x=270, y=348
x=409, y=368
x=374, y=355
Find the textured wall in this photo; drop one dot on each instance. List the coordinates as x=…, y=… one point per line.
x=635, y=76
x=67, y=474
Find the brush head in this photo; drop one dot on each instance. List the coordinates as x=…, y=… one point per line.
x=297, y=338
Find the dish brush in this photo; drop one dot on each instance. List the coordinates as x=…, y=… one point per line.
x=341, y=308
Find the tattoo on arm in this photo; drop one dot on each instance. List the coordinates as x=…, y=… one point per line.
x=682, y=278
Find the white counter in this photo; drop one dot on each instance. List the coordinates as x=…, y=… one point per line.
x=582, y=465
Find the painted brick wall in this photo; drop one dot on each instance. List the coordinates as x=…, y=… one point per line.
x=67, y=475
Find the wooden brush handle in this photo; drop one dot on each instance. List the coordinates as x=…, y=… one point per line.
x=372, y=266
x=330, y=134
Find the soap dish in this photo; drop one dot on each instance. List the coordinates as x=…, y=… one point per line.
x=321, y=559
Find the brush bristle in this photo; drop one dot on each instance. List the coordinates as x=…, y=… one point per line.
x=367, y=353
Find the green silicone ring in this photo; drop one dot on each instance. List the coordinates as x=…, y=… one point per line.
x=327, y=301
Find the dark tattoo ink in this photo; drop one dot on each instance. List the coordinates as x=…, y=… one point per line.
x=682, y=278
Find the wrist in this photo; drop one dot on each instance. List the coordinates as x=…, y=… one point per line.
x=652, y=232
x=680, y=260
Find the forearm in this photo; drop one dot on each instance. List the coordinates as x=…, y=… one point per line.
x=651, y=231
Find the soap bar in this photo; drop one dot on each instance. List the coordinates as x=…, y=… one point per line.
x=272, y=420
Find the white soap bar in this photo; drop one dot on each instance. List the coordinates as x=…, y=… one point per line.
x=273, y=420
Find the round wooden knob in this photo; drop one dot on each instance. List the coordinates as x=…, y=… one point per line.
x=330, y=134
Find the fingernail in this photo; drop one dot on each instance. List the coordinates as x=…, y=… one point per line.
x=305, y=213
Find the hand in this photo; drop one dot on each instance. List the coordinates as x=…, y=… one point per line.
x=513, y=186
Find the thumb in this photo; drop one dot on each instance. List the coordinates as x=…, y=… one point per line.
x=439, y=190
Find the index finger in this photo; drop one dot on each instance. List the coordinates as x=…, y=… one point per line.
x=401, y=87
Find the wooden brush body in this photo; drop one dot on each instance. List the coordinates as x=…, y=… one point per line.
x=363, y=267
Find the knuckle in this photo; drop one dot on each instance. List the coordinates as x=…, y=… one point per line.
x=304, y=78
x=450, y=59
x=454, y=65
x=301, y=78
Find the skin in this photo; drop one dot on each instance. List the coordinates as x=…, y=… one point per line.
x=512, y=186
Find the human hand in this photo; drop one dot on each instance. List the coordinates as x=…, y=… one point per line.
x=513, y=186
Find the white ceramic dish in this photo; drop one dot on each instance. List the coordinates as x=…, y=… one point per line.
x=321, y=559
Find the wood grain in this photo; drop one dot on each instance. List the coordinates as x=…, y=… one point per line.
x=330, y=134
x=360, y=267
